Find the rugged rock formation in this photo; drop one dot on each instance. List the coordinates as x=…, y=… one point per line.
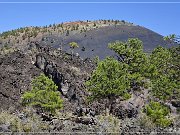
x=20, y=67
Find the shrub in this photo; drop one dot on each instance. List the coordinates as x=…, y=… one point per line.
x=44, y=94
x=73, y=45
x=145, y=122
x=158, y=113
x=108, y=124
x=11, y=121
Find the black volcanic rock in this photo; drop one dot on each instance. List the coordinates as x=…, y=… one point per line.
x=176, y=103
x=19, y=68
x=16, y=73
x=95, y=43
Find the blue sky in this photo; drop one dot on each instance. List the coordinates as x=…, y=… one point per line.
x=162, y=18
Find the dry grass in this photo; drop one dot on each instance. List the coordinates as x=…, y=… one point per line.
x=28, y=121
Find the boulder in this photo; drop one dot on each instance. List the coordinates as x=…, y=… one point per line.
x=122, y=112
x=175, y=103
x=80, y=111
x=85, y=120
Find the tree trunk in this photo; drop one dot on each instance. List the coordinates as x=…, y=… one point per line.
x=108, y=106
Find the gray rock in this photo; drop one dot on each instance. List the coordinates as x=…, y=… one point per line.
x=71, y=93
x=64, y=88
x=92, y=113
x=4, y=128
x=79, y=111
x=40, y=62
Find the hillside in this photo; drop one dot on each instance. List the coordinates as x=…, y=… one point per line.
x=92, y=36
x=140, y=90
x=94, y=41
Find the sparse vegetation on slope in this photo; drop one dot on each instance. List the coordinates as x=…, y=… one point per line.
x=92, y=38
x=138, y=91
x=27, y=121
x=20, y=35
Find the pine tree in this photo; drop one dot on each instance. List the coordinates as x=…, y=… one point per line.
x=44, y=94
x=131, y=53
x=166, y=73
x=109, y=80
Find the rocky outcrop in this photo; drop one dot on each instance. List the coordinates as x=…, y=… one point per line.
x=123, y=113
x=69, y=73
x=131, y=107
x=20, y=67
x=49, y=69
